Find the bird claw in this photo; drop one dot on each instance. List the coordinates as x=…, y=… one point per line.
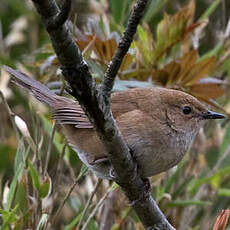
x=112, y=173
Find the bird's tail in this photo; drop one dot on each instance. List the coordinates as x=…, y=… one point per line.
x=40, y=91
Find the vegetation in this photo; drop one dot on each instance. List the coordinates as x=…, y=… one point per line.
x=180, y=44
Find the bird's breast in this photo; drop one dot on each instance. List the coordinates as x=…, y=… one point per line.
x=162, y=151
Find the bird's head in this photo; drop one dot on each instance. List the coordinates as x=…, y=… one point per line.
x=185, y=113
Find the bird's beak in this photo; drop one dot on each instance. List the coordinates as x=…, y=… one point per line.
x=213, y=115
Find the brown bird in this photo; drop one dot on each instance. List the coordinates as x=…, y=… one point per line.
x=158, y=125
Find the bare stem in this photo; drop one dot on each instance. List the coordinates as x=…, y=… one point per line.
x=11, y=115
x=96, y=208
x=67, y=196
x=88, y=203
x=50, y=144
x=123, y=46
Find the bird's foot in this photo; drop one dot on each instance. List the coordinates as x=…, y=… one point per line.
x=112, y=173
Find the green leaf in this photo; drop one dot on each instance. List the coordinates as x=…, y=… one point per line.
x=114, y=186
x=13, y=186
x=9, y=217
x=21, y=197
x=173, y=29
x=154, y=8
x=210, y=10
x=19, y=156
x=224, y=192
x=120, y=10
x=57, y=137
x=226, y=140
x=215, y=179
x=96, y=69
x=214, y=52
x=160, y=193
x=145, y=46
x=174, y=177
x=42, y=222
x=44, y=188
x=74, y=222
x=83, y=171
x=181, y=188
x=34, y=176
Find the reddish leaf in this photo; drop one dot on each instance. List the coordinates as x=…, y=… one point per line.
x=187, y=62
x=222, y=220
x=161, y=76
x=173, y=69
x=207, y=90
x=126, y=62
x=138, y=74
x=200, y=70
x=173, y=29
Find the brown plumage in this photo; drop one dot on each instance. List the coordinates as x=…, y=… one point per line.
x=158, y=124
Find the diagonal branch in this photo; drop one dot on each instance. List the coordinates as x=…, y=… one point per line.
x=96, y=105
x=61, y=17
x=123, y=46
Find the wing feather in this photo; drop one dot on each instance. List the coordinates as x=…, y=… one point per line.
x=71, y=114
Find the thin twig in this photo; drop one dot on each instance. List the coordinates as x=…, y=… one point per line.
x=96, y=208
x=220, y=161
x=11, y=115
x=50, y=144
x=109, y=214
x=66, y=197
x=89, y=202
x=123, y=46
x=61, y=157
x=89, y=46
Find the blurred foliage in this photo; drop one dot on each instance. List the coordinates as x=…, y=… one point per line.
x=180, y=44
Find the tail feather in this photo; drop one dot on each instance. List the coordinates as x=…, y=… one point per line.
x=65, y=111
x=40, y=91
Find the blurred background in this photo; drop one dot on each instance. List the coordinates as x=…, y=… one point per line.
x=180, y=44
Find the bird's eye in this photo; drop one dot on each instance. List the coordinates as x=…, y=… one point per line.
x=187, y=110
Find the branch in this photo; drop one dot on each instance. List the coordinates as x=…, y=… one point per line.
x=61, y=17
x=97, y=107
x=123, y=46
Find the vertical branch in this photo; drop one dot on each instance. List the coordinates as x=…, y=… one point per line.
x=95, y=103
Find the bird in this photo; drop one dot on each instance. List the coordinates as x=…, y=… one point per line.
x=158, y=125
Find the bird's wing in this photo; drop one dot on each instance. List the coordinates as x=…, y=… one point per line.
x=124, y=101
x=71, y=113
